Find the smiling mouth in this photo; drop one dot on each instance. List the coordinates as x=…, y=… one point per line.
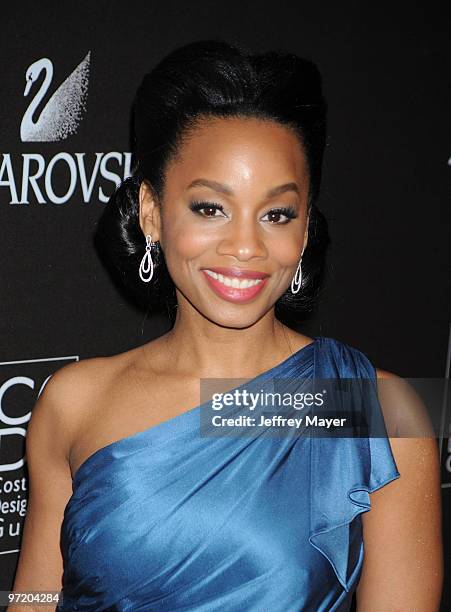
x=234, y=282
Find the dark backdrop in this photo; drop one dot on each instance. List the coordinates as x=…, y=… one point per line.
x=385, y=188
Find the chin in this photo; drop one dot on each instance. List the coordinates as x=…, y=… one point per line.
x=227, y=313
x=237, y=317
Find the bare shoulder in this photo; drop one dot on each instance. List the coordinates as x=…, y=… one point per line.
x=403, y=409
x=73, y=392
x=413, y=442
x=411, y=435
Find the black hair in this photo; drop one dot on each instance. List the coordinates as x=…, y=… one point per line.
x=213, y=78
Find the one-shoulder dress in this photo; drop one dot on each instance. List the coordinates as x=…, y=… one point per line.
x=170, y=519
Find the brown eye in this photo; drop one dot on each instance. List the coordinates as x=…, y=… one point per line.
x=275, y=214
x=211, y=207
x=209, y=211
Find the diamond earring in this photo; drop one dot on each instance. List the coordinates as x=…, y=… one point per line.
x=146, y=266
x=297, y=279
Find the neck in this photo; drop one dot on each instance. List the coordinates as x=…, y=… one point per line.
x=200, y=347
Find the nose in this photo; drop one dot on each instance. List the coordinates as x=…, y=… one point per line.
x=243, y=240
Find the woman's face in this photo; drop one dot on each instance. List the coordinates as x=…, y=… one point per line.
x=219, y=217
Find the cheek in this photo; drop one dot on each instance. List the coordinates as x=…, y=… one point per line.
x=285, y=251
x=183, y=242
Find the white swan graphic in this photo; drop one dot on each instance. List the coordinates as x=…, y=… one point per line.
x=63, y=112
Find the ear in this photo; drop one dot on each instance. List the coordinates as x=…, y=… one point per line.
x=149, y=212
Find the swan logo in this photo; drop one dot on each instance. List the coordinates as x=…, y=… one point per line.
x=64, y=110
x=58, y=177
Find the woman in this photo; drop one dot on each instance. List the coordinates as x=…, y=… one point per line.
x=219, y=224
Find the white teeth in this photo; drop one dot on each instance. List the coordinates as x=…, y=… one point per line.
x=234, y=282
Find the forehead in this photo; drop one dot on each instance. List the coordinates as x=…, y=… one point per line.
x=239, y=147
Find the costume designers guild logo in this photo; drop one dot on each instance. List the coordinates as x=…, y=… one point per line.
x=21, y=384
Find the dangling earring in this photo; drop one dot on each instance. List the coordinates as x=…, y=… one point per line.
x=297, y=279
x=146, y=262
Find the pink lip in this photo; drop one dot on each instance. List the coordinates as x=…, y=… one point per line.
x=234, y=294
x=238, y=272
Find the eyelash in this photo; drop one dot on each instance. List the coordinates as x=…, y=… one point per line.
x=287, y=211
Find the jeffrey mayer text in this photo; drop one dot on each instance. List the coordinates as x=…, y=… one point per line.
x=276, y=421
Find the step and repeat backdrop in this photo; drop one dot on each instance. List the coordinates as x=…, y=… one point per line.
x=69, y=72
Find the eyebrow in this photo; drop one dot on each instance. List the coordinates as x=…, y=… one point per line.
x=275, y=191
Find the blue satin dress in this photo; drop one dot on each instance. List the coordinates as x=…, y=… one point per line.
x=168, y=519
